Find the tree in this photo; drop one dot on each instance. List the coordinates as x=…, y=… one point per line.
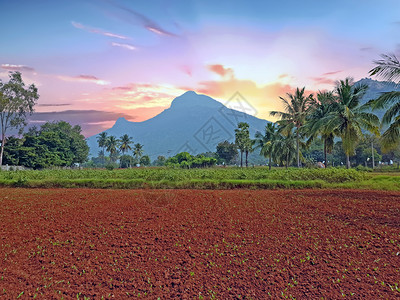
x=72, y=136
x=160, y=161
x=389, y=68
x=125, y=161
x=296, y=108
x=138, y=151
x=125, y=142
x=316, y=125
x=102, y=141
x=285, y=147
x=266, y=142
x=145, y=160
x=111, y=147
x=16, y=101
x=348, y=117
x=55, y=144
x=226, y=151
x=242, y=140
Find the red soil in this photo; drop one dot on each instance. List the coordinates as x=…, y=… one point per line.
x=185, y=244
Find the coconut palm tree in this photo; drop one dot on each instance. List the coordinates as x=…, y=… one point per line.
x=125, y=142
x=138, y=151
x=242, y=140
x=267, y=142
x=111, y=147
x=347, y=117
x=285, y=147
x=389, y=69
x=102, y=140
x=296, y=108
x=316, y=125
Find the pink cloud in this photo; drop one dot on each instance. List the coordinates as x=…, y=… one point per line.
x=323, y=80
x=221, y=70
x=84, y=78
x=21, y=68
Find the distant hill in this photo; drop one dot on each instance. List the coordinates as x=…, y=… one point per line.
x=194, y=123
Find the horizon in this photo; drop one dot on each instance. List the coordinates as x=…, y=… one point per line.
x=96, y=61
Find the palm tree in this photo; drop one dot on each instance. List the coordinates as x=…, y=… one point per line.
x=138, y=151
x=267, y=141
x=296, y=108
x=102, y=141
x=242, y=140
x=125, y=142
x=348, y=117
x=389, y=69
x=316, y=126
x=112, y=144
x=284, y=147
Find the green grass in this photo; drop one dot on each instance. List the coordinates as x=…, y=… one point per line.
x=213, y=178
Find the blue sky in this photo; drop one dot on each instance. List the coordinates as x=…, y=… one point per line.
x=131, y=58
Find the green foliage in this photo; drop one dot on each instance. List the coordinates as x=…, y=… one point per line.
x=183, y=178
x=126, y=161
x=16, y=101
x=145, y=160
x=56, y=144
x=160, y=161
x=243, y=141
x=226, y=152
x=111, y=166
x=186, y=161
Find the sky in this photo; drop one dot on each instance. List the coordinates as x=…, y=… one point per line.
x=94, y=61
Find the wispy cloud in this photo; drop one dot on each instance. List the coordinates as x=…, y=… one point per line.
x=123, y=45
x=21, y=68
x=98, y=31
x=331, y=73
x=323, y=80
x=53, y=104
x=84, y=78
x=144, y=21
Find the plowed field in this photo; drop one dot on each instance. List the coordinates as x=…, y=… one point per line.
x=191, y=244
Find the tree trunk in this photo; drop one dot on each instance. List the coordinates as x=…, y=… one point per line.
x=298, y=148
x=325, y=155
x=3, y=141
x=247, y=155
x=270, y=163
x=347, y=161
x=241, y=158
x=373, y=156
x=287, y=160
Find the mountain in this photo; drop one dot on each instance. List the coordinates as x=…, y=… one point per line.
x=194, y=123
x=377, y=88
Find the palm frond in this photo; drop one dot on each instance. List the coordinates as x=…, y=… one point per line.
x=388, y=67
x=391, y=137
x=386, y=99
x=391, y=113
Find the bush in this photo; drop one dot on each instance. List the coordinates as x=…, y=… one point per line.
x=110, y=166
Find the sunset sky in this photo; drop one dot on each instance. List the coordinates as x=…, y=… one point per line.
x=96, y=60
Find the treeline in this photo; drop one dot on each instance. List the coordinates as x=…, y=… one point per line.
x=329, y=115
x=114, y=149
x=56, y=144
